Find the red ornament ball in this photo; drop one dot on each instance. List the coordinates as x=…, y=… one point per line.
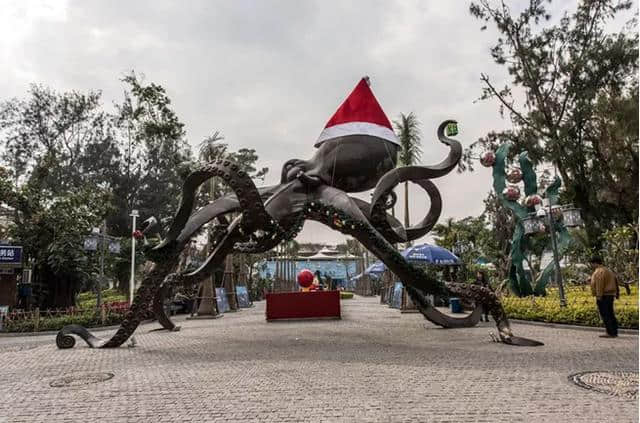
x=305, y=278
x=488, y=158
x=532, y=200
x=515, y=175
x=137, y=235
x=511, y=192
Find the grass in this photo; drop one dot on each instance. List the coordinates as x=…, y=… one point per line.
x=580, y=310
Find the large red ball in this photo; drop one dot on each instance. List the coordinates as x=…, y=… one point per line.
x=305, y=278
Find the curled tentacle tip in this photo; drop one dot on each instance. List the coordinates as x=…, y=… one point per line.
x=65, y=341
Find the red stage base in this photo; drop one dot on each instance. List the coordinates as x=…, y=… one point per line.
x=303, y=305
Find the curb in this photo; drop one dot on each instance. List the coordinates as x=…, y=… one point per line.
x=574, y=327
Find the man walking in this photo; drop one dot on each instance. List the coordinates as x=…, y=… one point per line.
x=605, y=289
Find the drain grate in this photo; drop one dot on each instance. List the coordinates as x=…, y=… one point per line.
x=618, y=383
x=80, y=379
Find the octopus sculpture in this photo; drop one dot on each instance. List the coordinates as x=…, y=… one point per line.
x=316, y=189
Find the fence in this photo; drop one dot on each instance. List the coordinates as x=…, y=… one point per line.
x=54, y=319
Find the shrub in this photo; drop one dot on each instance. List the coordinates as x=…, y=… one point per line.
x=87, y=319
x=345, y=295
x=87, y=300
x=580, y=310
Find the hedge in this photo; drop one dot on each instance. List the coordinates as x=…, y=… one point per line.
x=580, y=310
x=87, y=319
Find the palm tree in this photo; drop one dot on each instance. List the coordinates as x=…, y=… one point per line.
x=209, y=150
x=408, y=131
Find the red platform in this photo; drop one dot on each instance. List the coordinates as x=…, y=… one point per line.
x=303, y=305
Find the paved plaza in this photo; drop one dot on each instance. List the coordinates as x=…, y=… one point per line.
x=374, y=365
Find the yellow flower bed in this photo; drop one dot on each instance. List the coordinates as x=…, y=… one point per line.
x=580, y=310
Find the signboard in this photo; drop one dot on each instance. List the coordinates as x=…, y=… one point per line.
x=10, y=256
x=243, y=296
x=222, y=300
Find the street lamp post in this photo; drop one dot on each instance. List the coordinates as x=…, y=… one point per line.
x=99, y=239
x=543, y=220
x=134, y=214
x=556, y=261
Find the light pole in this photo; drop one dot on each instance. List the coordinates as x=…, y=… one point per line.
x=543, y=220
x=132, y=280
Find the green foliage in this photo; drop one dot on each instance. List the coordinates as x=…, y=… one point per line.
x=580, y=111
x=154, y=154
x=259, y=287
x=474, y=234
x=581, y=308
x=87, y=300
x=621, y=252
x=67, y=164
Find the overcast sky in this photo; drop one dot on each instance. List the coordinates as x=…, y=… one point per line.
x=269, y=74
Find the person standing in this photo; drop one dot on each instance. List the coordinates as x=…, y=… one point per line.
x=605, y=289
x=481, y=279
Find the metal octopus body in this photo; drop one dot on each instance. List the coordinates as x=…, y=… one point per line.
x=315, y=189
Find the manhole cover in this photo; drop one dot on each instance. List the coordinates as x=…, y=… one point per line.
x=80, y=379
x=619, y=383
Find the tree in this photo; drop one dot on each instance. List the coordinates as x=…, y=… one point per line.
x=51, y=228
x=472, y=232
x=580, y=110
x=408, y=130
x=53, y=186
x=156, y=154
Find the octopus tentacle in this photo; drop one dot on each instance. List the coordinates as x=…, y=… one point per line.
x=158, y=306
x=421, y=176
x=436, y=317
x=357, y=226
x=166, y=255
x=380, y=219
x=136, y=313
x=248, y=197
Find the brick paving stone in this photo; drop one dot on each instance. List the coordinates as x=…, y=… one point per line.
x=374, y=365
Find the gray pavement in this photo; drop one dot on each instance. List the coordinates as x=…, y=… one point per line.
x=374, y=365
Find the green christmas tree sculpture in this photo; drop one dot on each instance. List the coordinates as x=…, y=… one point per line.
x=520, y=281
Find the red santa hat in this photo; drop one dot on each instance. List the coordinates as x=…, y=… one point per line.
x=360, y=114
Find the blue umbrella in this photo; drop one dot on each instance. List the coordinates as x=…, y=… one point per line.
x=431, y=254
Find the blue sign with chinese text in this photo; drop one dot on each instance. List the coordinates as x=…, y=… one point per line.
x=11, y=255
